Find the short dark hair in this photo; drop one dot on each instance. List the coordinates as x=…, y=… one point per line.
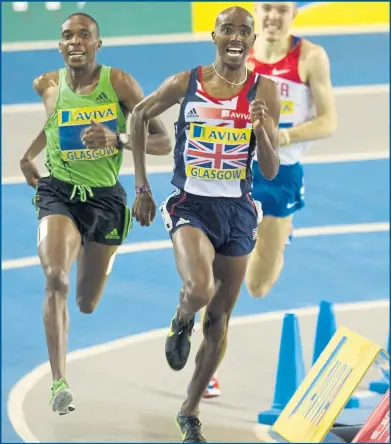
x=229, y=10
x=83, y=14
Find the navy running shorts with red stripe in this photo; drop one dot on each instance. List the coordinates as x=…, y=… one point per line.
x=229, y=223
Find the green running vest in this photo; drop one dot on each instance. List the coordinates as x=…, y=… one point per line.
x=67, y=158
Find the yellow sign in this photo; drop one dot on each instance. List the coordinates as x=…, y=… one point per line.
x=287, y=107
x=88, y=154
x=83, y=116
x=343, y=14
x=312, y=15
x=204, y=13
x=314, y=407
x=214, y=173
x=219, y=134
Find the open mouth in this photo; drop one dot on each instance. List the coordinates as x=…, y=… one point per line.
x=272, y=28
x=234, y=51
x=76, y=54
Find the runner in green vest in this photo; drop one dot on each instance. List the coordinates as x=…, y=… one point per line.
x=81, y=206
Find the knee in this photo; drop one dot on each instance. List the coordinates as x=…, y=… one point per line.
x=258, y=289
x=215, y=327
x=261, y=277
x=57, y=281
x=86, y=305
x=258, y=286
x=200, y=290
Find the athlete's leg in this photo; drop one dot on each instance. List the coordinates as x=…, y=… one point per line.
x=94, y=265
x=229, y=274
x=267, y=259
x=194, y=256
x=58, y=246
x=106, y=227
x=213, y=390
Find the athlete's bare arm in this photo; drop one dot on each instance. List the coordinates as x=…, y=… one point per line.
x=317, y=75
x=29, y=169
x=265, y=115
x=129, y=94
x=169, y=93
x=46, y=87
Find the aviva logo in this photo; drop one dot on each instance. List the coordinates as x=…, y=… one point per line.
x=217, y=134
x=82, y=116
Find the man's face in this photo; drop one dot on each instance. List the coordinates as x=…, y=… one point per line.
x=234, y=37
x=79, y=41
x=275, y=19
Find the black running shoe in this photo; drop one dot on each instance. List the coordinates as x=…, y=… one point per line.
x=178, y=343
x=190, y=428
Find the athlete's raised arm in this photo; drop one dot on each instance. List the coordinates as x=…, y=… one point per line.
x=265, y=114
x=325, y=122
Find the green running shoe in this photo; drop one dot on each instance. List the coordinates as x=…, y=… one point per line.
x=62, y=399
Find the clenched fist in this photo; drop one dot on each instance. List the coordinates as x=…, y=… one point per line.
x=258, y=113
x=99, y=136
